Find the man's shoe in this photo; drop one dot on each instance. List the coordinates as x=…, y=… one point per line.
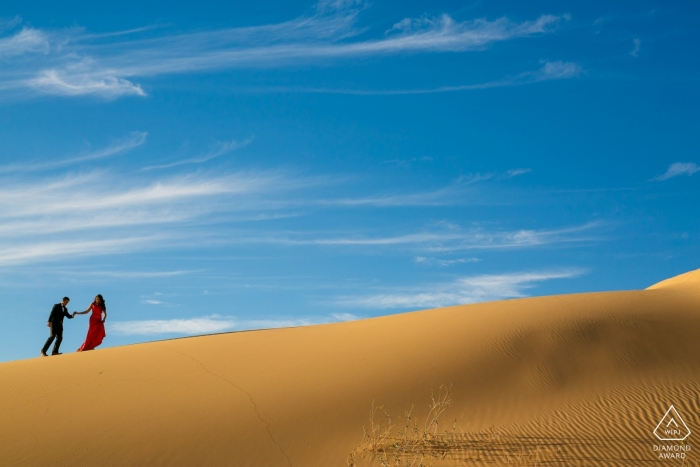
x=43, y=354
x=56, y=353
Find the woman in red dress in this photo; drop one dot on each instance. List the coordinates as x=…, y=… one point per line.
x=96, y=330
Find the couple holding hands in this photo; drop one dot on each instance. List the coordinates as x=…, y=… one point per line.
x=96, y=329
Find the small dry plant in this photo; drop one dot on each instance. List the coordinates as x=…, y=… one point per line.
x=410, y=445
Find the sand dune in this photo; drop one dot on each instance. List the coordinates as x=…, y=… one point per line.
x=568, y=380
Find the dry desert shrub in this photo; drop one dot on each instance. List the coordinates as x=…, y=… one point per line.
x=406, y=443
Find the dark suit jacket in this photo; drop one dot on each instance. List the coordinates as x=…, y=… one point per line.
x=57, y=314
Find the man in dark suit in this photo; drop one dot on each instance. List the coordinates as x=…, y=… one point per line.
x=58, y=312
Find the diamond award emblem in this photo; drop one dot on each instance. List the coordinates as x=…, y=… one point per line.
x=672, y=427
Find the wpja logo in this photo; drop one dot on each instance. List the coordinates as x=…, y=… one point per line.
x=672, y=428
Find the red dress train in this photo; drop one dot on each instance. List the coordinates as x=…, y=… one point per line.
x=96, y=331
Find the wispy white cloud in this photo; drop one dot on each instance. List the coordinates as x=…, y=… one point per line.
x=26, y=252
x=515, y=172
x=455, y=193
x=71, y=196
x=126, y=32
x=555, y=70
x=415, y=238
x=437, y=197
x=10, y=23
x=75, y=221
x=635, y=51
x=407, y=162
x=479, y=239
x=74, y=194
x=75, y=63
x=60, y=216
x=88, y=273
x=676, y=169
x=287, y=323
x=190, y=326
x=445, y=34
x=139, y=274
x=444, y=262
x=65, y=217
x=25, y=41
x=215, y=323
x=133, y=140
x=465, y=290
x=302, y=39
x=445, y=240
x=89, y=83
x=549, y=71
x=219, y=149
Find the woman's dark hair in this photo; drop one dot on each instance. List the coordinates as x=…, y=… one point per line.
x=103, y=305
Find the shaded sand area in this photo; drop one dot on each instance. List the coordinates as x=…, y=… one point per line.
x=564, y=380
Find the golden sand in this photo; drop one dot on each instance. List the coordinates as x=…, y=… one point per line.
x=565, y=380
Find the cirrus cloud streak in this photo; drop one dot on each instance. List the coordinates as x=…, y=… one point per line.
x=216, y=323
x=74, y=63
x=465, y=290
x=676, y=169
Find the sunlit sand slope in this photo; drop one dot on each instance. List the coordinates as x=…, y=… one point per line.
x=573, y=380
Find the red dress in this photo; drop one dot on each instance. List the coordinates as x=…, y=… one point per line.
x=96, y=331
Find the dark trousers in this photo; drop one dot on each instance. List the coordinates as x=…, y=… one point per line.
x=56, y=333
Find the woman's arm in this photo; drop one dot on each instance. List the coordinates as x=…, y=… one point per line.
x=83, y=312
x=105, y=318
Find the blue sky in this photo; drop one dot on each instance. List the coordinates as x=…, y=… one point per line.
x=222, y=167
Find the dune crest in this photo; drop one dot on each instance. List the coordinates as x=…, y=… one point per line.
x=578, y=379
x=690, y=280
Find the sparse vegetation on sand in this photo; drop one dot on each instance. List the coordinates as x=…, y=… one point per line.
x=406, y=444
